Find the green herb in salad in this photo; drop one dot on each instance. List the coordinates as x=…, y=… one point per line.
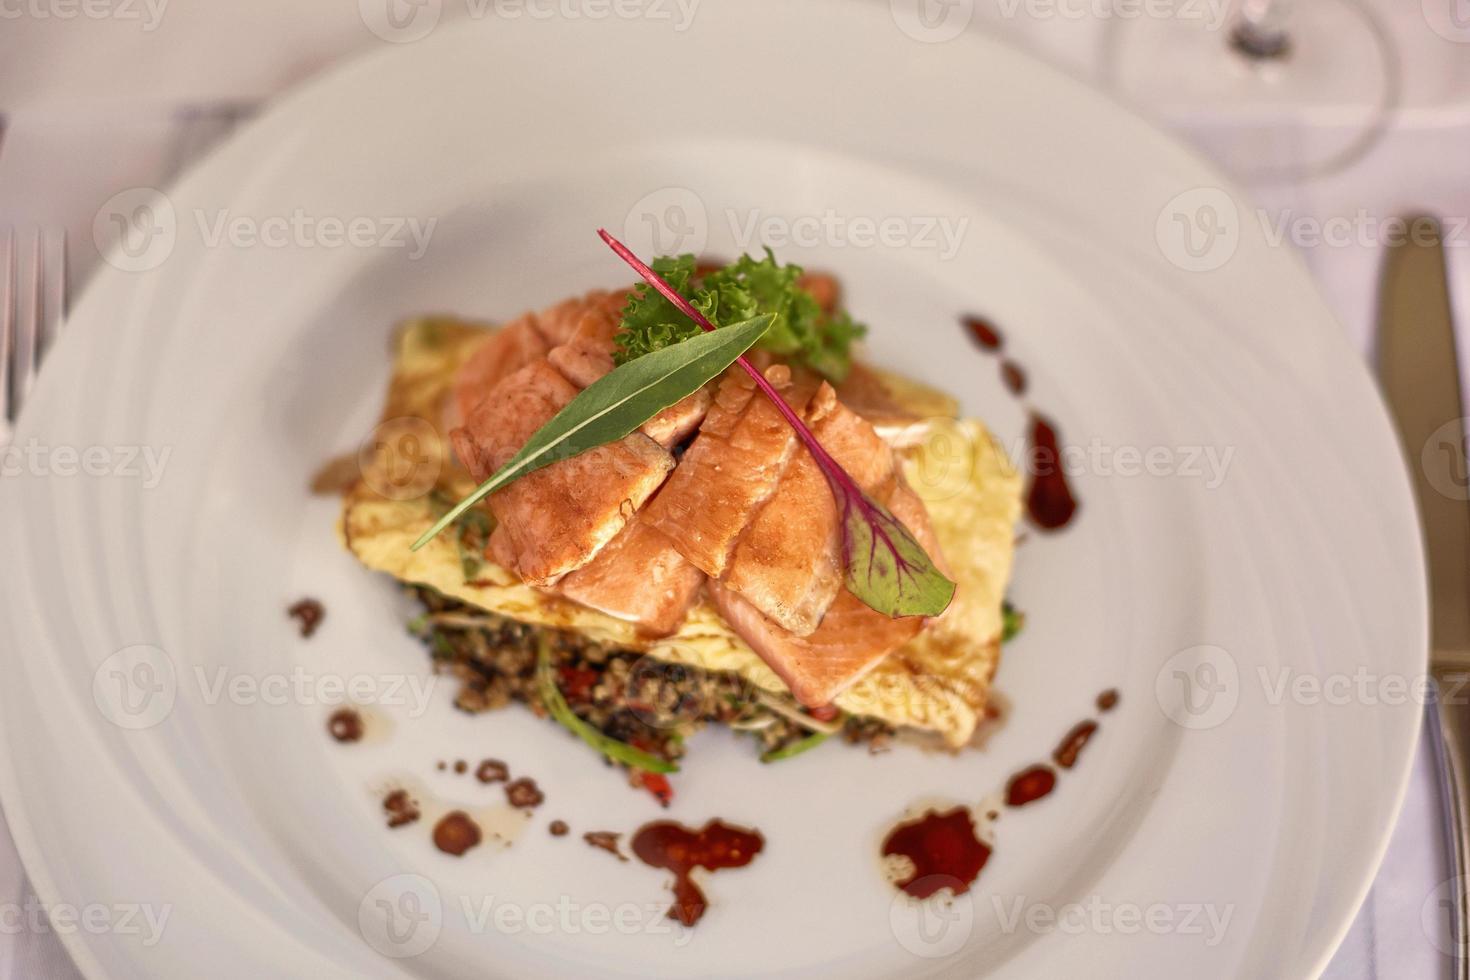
x=1014, y=621
x=556, y=703
x=796, y=748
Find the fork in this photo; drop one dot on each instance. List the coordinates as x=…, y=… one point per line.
x=32, y=310
x=34, y=290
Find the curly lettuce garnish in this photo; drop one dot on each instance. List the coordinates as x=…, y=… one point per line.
x=744, y=289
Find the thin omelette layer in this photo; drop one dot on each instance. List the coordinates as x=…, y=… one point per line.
x=939, y=682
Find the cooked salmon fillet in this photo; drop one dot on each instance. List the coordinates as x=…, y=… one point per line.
x=588, y=355
x=850, y=642
x=787, y=564
x=852, y=638
x=640, y=578
x=558, y=517
x=557, y=324
x=504, y=352
x=730, y=470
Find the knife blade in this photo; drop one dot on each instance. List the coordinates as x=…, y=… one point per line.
x=1419, y=372
x=1418, y=369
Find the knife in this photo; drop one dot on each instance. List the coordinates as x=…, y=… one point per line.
x=1418, y=369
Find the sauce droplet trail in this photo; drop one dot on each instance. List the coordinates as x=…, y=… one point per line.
x=524, y=793
x=492, y=771
x=605, y=840
x=984, y=332
x=674, y=847
x=1030, y=785
x=1014, y=376
x=456, y=833
x=944, y=850
x=345, y=725
x=1049, y=500
x=400, y=808
x=559, y=828
x=1071, y=747
x=1108, y=700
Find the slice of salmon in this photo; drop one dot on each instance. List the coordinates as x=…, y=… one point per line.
x=730, y=470
x=850, y=642
x=559, y=323
x=639, y=577
x=787, y=564
x=558, y=517
x=504, y=352
x=588, y=355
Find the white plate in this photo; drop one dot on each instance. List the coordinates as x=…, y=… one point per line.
x=249, y=364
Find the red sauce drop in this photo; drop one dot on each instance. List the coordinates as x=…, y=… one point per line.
x=308, y=614
x=1014, y=377
x=1030, y=785
x=456, y=833
x=984, y=332
x=1071, y=747
x=1049, y=499
x=1107, y=700
x=345, y=725
x=676, y=848
x=944, y=850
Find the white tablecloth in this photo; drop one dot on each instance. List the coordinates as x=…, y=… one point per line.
x=92, y=107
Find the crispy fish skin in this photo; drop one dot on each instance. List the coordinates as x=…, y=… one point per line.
x=557, y=517
x=788, y=563
x=730, y=470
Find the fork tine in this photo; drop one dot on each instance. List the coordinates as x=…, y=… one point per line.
x=27, y=329
x=62, y=293
x=8, y=302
